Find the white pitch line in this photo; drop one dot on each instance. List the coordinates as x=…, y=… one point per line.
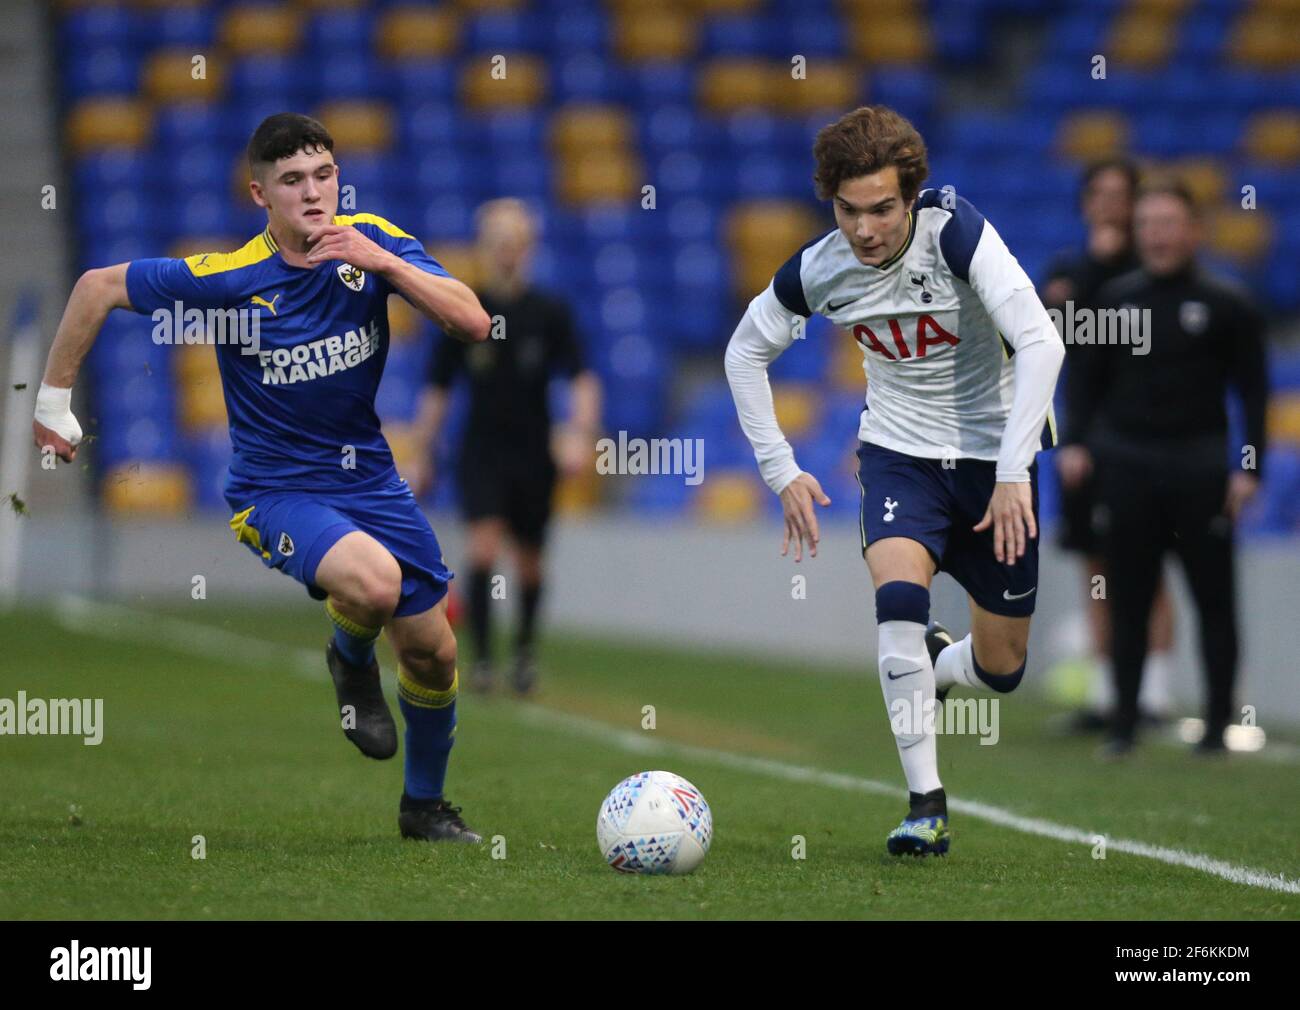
x=91, y=617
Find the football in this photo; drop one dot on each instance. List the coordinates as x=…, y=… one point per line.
x=654, y=822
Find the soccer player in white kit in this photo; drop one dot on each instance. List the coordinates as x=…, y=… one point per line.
x=962, y=360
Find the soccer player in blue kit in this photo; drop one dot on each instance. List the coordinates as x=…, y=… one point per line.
x=312, y=483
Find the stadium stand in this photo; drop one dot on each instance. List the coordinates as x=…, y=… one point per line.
x=577, y=105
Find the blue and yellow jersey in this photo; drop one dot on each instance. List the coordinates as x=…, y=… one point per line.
x=302, y=407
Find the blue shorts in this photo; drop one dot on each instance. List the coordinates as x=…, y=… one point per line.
x=920, y=499
x=292, y=531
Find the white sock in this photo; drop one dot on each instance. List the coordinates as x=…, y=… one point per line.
x=956, y=667
x=1102, y=692
x=1154, y=696
x=907, y=680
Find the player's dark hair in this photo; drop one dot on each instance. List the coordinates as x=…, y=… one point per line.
x=1174, y=187
x=1125, y=166
x=865, y=141
x=284, y=135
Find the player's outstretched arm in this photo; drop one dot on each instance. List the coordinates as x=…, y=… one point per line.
x=445, y=300
x=766, y=330
x=96, y=293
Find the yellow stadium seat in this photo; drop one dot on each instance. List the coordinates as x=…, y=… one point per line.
x=358, y=125
x=1139, y=38
x=728, y=498
x=1284, y=419
x=1160, y=8
x=504, y=80
x=163, y=4
x=1273, y=137
x=613, y=178
x=476, y=6
x=797, y=406
x=331, y=5
x=96, y=123
x=580, y=130
x=1266, y=40
x=405, y=322
x=200, y=404
x=1205, y=177
x=657, y=34
x=147, y=489
x=846, y=365
x=459, y=258
x=904, y=39
x=1087, y=136
x=1241, y=235
x=417, y=31
x=693, y=8
x=260, y=29
x=827, y=84
x=170, y=76
x=725, y=85
x=762, y=235
x=884, y=10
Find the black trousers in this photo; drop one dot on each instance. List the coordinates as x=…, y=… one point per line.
x=1153, y=506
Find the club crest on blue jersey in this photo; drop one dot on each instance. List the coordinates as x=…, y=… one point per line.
x=351, y=276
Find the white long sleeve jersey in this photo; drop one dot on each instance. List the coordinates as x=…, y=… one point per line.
x=960, y=355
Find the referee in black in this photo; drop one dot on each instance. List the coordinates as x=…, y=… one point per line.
x=509, y=455
x=1168, y=479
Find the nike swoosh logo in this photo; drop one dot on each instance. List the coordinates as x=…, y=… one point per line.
x=1006, y=594
x=832, y=307
x=899, y=676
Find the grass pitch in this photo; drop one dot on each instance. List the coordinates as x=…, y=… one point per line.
x=208, y=733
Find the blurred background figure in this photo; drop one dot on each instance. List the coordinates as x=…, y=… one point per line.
x=509, y=453
x=1170, y=479
x=1073, y=280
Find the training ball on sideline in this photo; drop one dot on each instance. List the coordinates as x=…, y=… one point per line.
x=654, y=822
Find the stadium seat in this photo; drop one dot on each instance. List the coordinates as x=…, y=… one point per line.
x=1087, y=136
x=175, y=76
x=763, y=235
x=97, y=123
x=644, y=36
x=1273, y=137
x=1240, y=235
x=829, y=88
x=882, y=38
x=358, y=126
x=260, y=28
x=725, y=85
x=727, y=498
x=487, y=83
x=147, y=489
x=1141, y=37
x=417, y=32
x=198, y=381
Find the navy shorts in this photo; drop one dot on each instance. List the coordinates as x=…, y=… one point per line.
x=920, y=499
x=293, y=530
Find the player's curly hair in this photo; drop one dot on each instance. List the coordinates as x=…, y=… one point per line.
x=865, y=141
x=284, y=135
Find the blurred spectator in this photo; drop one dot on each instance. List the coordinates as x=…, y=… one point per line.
x=1155, y=416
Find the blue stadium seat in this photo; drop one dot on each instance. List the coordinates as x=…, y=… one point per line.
x=423, y=82
x=107, y=71
x=586, y=77
x=504, y=32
